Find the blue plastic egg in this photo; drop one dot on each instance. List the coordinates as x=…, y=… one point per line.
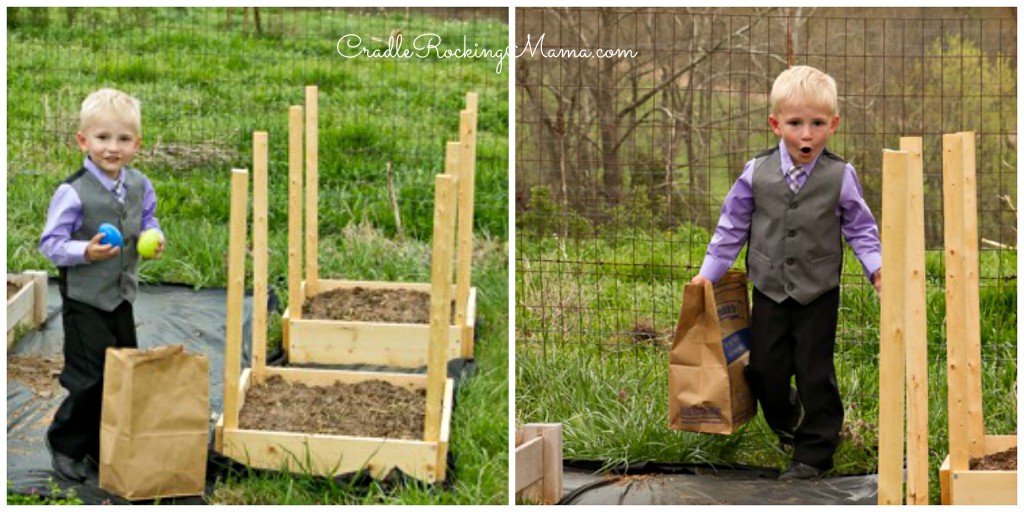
x=111, y=235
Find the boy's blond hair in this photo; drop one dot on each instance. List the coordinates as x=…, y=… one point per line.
x=107, y=103
x=807, y=86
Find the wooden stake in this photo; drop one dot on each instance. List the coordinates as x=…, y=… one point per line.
x=236, y=290
x=972, y=310
x=312, y=193
x=463, y=276
x=892, y=329
x=295, y=295
x=260, y=255
x=39, y=280
x=916, y=328
x=956, y=300
x=440, y=302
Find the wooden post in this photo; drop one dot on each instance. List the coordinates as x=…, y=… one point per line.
x=956, y=301
x=236, y=289
x=295, y=295
x=312, y=201
x=440, y=301
x=260, y=254
x=975, y=414
x=915, y=327
x=463, y=275
x=39, y=280
x=892, y=329
x=963, y=330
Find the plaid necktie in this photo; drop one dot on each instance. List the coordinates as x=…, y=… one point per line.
x=793, y=177
x=118, y=189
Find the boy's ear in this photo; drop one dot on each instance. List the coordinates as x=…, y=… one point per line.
x=774, y=123
x=834, y=124
x=80, y=138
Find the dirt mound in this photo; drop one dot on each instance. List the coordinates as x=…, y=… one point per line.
x=371, y=305
x=371, y=408
x=1001, y=461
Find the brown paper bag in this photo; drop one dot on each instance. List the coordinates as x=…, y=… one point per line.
x=707, y=391
x=154, y=428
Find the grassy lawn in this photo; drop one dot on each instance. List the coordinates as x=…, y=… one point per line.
x=206, y=84
x=596, y=316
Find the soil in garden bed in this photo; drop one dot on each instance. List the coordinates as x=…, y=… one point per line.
x=395, y=305
x=1001, y=461
x=12, y=289
x=38, y=373
x=371, y=408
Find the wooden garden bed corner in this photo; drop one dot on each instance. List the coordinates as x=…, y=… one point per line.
x=28, y=305
x=539, y=463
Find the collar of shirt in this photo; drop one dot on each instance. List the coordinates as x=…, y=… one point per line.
x=787, y=161
x=102, y=176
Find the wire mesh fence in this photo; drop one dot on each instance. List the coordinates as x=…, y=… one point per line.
x=208, y=77
x=632, y=125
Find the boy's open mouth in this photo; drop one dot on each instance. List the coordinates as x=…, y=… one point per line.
x=805, y=150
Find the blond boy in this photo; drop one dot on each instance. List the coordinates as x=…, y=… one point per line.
x=793, y=204
x=98, y=281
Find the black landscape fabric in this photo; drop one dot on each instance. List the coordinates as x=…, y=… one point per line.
x=584, y=483
x=164, y=315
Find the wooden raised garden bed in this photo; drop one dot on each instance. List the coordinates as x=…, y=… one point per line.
x=357, y=341
x=320, y=453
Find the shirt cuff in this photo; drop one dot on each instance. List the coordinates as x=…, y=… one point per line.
x=871, y=263
x=76, y=252
x=713, y=269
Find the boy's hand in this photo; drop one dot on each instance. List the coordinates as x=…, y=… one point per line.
x=700, y=280
x=96, y=251
x=876, y=280
x=159, y=249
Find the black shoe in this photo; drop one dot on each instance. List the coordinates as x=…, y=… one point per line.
x=90, y=467
x=65, y=466
x=800, y=471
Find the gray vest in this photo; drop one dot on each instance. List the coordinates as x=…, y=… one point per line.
x=105, y=284
x=795, y=245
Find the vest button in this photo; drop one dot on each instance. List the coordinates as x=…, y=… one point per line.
x=790, y=261
x=789, y=287
x=791, y=233
x=793, y=205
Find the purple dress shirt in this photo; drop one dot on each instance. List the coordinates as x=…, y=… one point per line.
x=64, y=217
x=856, y=221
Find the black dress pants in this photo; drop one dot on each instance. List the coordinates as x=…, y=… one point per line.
x=793, y=339
x=88, y=332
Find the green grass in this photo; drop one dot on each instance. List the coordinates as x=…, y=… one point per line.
x=204, y=88
x=596, y=316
